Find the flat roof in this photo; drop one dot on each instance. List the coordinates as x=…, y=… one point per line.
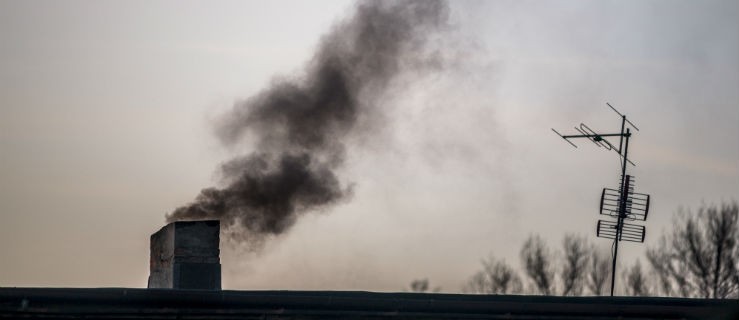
x=129, y=303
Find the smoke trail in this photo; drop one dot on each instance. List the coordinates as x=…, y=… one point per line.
x=300, y=127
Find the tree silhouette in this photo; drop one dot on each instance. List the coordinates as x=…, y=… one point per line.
x=538, y=263
x=635, y=281
x=496, y=277
x=420, y=285
x=700, y=256
x=575, y=264
x=599, y=272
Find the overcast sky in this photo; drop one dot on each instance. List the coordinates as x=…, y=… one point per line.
x=106, y=112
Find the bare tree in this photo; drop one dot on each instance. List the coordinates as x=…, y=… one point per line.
x=478, y=283
x=700, y=257
x=635, y=280
x=599, y=271
x=575, y=264
x=420, y=285
x=722, y=232
x=496, y=277
x=423, y=285
x=538, y=263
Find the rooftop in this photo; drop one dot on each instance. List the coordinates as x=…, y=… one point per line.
x=126, y=303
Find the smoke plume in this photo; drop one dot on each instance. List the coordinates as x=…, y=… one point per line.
x=300, y=127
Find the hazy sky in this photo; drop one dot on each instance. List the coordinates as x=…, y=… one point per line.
x=106, y=112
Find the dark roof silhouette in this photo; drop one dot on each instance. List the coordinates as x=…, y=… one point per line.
x=125, y=303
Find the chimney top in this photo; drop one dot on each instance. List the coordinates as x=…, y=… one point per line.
x=185, y=255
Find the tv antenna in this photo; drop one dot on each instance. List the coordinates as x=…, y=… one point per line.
x=623, y=203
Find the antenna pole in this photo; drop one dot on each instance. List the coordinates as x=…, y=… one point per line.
x=622, y=208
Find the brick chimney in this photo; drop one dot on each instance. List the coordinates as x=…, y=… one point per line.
x=185, y=255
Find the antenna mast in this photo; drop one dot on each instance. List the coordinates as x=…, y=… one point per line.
x=623, y=204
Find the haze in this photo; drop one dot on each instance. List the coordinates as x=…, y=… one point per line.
x=106, y=112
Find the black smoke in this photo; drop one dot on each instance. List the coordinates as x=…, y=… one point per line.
x=299, y=127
